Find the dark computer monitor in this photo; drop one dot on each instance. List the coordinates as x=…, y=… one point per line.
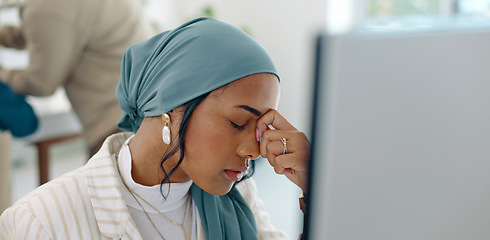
x=401, y=133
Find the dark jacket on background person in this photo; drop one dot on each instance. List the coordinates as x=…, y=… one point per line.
x=16, y=115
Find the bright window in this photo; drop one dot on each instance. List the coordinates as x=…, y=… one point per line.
x=403, y=8
x=427, y=7
x=342, y=15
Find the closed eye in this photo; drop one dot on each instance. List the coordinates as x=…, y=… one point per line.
x=237, y=126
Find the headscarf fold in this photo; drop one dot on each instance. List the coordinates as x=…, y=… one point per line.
x=174, y=67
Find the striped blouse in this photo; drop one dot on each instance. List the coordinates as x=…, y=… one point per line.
x=87, y=203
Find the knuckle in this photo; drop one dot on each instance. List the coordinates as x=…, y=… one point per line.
x=268, y=148
x=266, y=134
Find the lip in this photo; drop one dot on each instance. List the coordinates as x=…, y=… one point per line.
x=235, y=174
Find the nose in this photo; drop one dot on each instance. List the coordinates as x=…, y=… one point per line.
x=249, y=148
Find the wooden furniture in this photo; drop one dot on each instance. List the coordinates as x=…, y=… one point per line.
x=53, y=128
x=43, y=154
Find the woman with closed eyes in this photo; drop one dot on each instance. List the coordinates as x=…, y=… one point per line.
x=199, y=107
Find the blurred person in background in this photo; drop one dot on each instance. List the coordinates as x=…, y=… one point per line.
x=77, y=44
x=17, y=118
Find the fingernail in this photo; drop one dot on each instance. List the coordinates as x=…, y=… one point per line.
x=257, y=137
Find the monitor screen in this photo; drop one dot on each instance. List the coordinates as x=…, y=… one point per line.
x=401, y=133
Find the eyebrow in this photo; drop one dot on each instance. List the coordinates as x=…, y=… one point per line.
x=250, y=109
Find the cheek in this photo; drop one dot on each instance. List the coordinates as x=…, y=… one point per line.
x=207, y=142
x=208, y=151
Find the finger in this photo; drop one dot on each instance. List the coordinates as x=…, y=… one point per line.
x=277, y=167
x=274, y=137
x=274, y=148
x=286, y=164
x=271, y=152
x=272, y=161
x=294, y=170
x=274, y=119
x=294, y=140
x=291, y=161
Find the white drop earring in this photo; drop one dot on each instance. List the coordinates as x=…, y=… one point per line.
x=166, y=130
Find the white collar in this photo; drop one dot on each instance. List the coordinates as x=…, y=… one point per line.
x=176, y=197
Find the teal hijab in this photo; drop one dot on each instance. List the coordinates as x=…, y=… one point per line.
x=174, y=67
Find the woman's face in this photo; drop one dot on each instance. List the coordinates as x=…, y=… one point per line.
x=220, y=134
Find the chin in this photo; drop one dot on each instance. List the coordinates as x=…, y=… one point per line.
x=222, y=189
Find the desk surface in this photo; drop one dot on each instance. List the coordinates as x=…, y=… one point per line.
x=55, y=125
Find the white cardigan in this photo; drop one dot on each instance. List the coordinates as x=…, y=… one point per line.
x=87, y=204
